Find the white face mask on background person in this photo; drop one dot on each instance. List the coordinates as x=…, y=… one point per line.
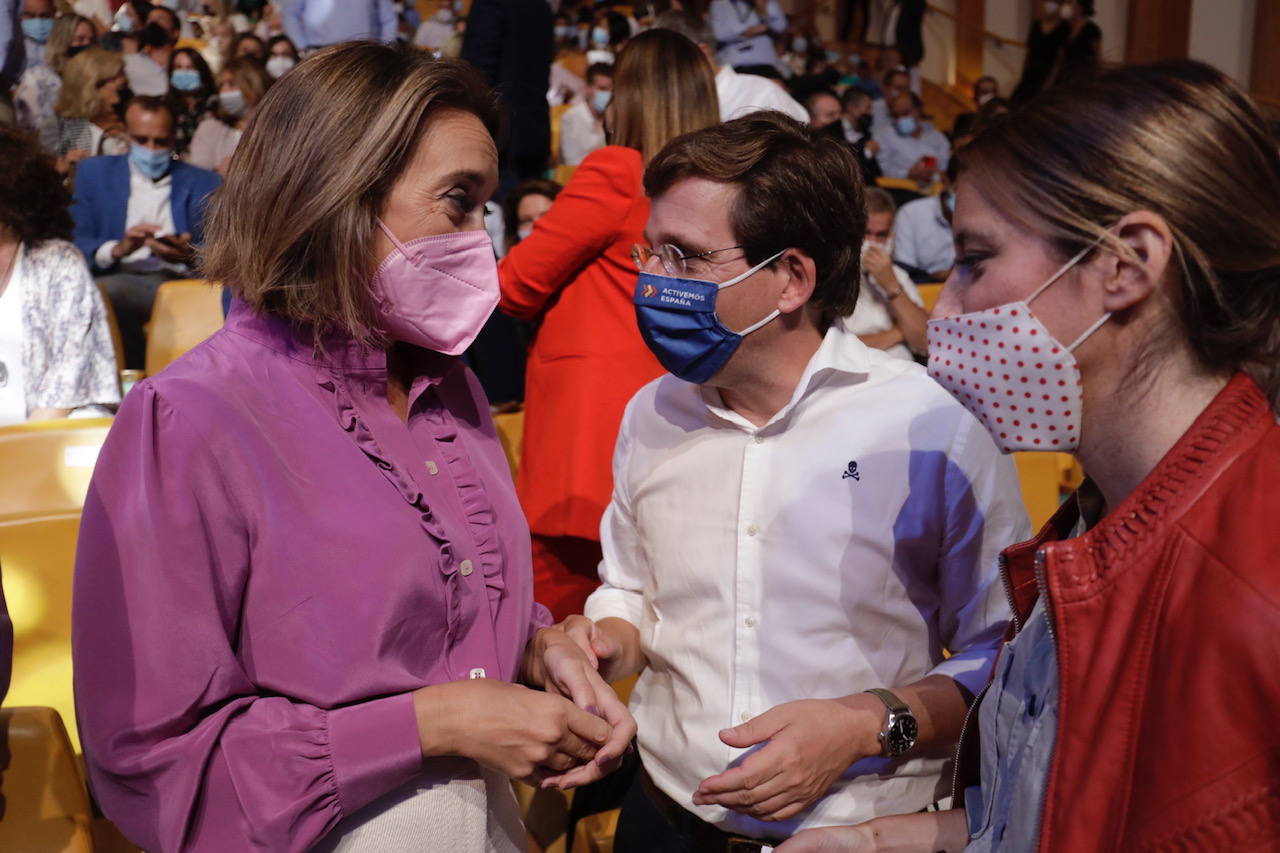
x=1067, y=12
x=1005, y=367
x=1050, y=8
x=278, y=65
x=233, y=103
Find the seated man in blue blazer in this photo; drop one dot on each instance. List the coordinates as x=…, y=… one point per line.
x=138, y=218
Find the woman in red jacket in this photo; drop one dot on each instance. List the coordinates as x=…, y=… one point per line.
x=1117, y=295
x=574, y=277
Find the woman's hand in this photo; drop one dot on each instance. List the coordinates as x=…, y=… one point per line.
x=926, y=832
x=523, y=733
x=557, y=663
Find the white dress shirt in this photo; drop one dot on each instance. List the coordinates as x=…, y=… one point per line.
x=149, y=201
x=741, y=94
x=899, y=153
x=842, y=546
x=580, y=134
x=922, y=235
x=872, y=313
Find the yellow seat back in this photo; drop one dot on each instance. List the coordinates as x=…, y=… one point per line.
x=1046, y=478
x=511, y=433
x=929, y=293
x=47, y=466
x=46, y=806
x=185, y=313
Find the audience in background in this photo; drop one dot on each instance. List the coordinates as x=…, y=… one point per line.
x=313, y=24
x=608, y=35
x=525, y=205
x=923, y=242
x=823, y=106
x=854, y=128
x=1045, y=41
x=90, y=104
x=241, y=86
x=890, y=314
x=192, y=88
x=138, y=218
x=984, y=89
x=738, y=94
x=1082, y=51
x=282, y=56
x=247, y=46
x=744, y=32
x=574, y=276
x=913, y=148
x=582, y=125
x=148, y=69
x=435, y=31
x=56, y=355
x=37, y=91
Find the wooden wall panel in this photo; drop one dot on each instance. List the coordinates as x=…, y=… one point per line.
x=1158, y=29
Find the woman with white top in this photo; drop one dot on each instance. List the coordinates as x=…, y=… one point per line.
x=56, y=356
x=241, y=86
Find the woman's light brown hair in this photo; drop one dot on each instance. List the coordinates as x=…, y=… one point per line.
x=662, y=88
x=250, y=77
x=1181, y=140
x=82, y=81
x=291, y=229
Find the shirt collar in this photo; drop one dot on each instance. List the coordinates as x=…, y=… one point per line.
x=841, y=351
x=339, y=351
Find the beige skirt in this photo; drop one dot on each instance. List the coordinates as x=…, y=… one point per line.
x=455, y=805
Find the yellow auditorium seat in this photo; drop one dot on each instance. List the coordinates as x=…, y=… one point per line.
x=929, y=293
x=46, y=805
x=510, y=427
x=563, y=174
x=1046, y=478
x=185, y=313
x=47, y=466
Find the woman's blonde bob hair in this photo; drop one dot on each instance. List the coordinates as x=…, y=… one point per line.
x=291, y=229
x=82, y=81
x=662, y=88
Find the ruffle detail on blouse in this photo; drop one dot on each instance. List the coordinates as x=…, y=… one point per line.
x=479, y=511
x=351, y=422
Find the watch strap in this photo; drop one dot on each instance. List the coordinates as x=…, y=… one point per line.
x=891, y=701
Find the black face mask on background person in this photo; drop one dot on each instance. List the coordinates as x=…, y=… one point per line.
x=863, y=125
x=154, y=35
x=76, y=48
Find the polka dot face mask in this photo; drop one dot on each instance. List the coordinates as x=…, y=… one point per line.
x=1003, y=366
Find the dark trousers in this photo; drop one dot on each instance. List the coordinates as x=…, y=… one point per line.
x=132, y=294
x=646, y=827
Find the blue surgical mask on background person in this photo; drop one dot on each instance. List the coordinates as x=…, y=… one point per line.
x=37, y=29
x=599, y=37
x=833, y=56
x=599, y=100
x=185, y=79
x=906, y=125
x=124, y=21
x=152, y=162
x=799, y=44
x=678, y=321
x=232, y=103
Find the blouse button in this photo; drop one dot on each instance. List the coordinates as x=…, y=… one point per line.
x=432, y=468
x=465, y=568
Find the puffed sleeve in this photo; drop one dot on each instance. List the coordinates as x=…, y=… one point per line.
x=583, y=221
x=183, y=751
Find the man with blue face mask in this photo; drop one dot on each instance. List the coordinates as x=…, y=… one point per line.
x=582, y=125
x=138, y=217
x=911, y=147
x=800, y=525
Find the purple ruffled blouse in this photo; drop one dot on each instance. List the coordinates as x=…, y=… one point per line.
x=270, y=561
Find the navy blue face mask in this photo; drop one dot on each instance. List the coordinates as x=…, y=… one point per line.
x=678, y=321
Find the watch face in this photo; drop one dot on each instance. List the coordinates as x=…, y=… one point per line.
x=902, y=734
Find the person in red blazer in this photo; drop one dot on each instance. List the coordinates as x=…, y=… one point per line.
x=573, y=277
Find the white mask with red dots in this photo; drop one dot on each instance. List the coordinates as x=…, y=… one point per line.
x=1003, y=366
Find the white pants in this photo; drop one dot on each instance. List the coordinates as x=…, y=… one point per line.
x=453, y=805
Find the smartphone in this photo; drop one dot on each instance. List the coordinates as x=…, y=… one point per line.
x=930, y=163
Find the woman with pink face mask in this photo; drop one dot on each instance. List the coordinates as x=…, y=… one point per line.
x=303, y=608
x=1116, y=295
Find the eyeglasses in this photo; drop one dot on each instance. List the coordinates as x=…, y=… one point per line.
x=674, y=261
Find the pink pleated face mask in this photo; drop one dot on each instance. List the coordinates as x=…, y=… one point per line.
x=436, y=292
x=1003, y=366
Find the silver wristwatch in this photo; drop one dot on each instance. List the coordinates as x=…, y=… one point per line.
x=900, y=728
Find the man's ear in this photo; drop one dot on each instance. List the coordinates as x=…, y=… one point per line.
x=801, y=278
x=1132, y=277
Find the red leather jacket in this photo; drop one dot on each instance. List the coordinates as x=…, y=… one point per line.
x=1166, y=620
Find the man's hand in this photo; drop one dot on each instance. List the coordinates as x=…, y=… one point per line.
x=811, y=742
x=880, y=265
x=175, y=249
x=561, y=667
x=134, y=239
x=922, y=172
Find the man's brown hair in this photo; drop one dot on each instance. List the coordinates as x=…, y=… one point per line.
x=291, y=229
x=796, y=189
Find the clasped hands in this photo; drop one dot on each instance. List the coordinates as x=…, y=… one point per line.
x=807, y=744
